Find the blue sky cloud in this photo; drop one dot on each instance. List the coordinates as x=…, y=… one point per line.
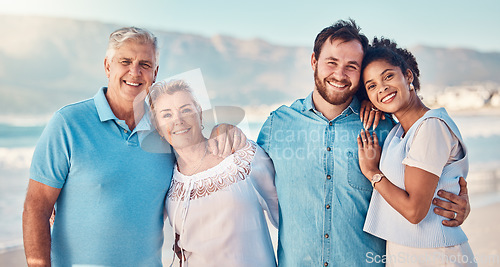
x=444, y=23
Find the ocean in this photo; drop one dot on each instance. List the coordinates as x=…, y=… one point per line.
x=17, y=142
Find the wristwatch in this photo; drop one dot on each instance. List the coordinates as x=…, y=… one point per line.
x=376, y=178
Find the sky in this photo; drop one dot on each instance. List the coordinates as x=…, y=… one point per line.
x=438, y=23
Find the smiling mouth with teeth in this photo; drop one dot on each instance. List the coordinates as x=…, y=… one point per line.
x=132, y=84
x=388, y=97
x=181, y=131
x=339, y=86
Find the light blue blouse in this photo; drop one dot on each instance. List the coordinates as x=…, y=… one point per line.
x=385, y=222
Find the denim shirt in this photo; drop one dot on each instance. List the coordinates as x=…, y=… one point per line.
x=323, y=196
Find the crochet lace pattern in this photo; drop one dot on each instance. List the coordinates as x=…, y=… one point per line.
x=232, y=171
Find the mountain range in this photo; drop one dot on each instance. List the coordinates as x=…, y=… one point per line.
x=46, y=63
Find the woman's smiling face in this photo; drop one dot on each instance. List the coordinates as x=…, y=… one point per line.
x=178, y=119
x=386, y=85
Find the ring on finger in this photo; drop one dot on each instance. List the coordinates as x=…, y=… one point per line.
x=374, y=109
x=454, y=215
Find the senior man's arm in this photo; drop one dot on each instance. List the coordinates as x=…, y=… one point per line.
x=225, y=139
x=38, y=206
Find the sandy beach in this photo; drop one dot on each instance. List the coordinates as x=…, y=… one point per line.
x=13, y=257
x=481, y=227
x=484, y=234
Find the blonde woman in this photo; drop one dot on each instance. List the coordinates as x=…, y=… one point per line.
x=216, y=205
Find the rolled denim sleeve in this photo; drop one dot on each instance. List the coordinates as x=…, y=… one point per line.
x=264, y=139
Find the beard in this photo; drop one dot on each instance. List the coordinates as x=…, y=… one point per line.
x=334, y=98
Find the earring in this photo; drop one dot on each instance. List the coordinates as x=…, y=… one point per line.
x=412, y=88
x=202, y=127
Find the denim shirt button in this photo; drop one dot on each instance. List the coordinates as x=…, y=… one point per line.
x=328, y=177
x=328, y=149
x=327, y=206
x=331, y=123
x=326, y=263
x=327, y=236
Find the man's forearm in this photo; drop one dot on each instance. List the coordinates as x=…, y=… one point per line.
x=36, y=237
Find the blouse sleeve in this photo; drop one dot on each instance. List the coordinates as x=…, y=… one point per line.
x=262, y=177
x=433, y=147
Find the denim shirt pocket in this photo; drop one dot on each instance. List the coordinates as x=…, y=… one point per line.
x=355, y=177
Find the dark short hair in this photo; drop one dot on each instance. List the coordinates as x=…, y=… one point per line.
x=345, y=30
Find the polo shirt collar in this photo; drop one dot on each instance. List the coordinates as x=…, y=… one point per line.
x=145, y=123
x=103, y=109
x=106, y=114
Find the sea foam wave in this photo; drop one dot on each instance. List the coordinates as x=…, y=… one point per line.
x=16, y=158
x=11, y=245
x=25, y=120
x=478, y=126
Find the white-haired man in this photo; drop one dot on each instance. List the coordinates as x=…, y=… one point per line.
x=109, y=193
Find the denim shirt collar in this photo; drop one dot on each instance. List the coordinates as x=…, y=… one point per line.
x=354, y=107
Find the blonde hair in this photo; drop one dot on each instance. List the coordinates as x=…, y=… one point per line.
x=169, y=88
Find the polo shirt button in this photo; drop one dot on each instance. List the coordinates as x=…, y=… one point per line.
x=326, y=263
x=327, y=206
x=328, y=149
x=328, y=177
x=124, y=131
x=326, y=236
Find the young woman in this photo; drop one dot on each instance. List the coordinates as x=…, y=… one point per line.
x=215, y=205
x=423, y=153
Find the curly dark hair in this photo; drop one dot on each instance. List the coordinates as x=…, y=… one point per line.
x=385, y=49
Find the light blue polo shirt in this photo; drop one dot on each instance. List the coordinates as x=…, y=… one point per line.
x=110, y=209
